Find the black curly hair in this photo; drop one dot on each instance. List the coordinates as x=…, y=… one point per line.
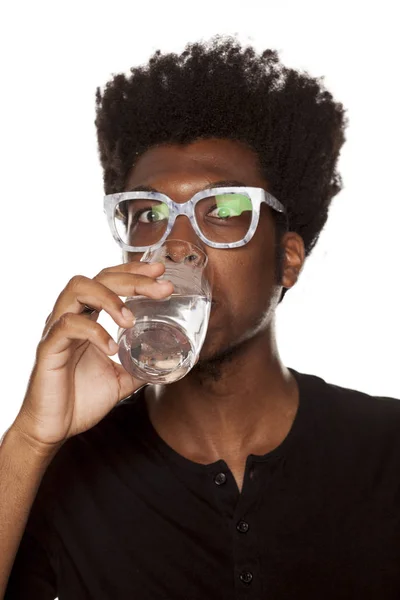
x=220, y=89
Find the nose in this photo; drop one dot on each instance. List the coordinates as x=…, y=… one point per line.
x=183, y=237
x=182, y=251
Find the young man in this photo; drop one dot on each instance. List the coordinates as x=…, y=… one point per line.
x=245, y=479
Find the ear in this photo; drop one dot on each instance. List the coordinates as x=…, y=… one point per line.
x=294, y=255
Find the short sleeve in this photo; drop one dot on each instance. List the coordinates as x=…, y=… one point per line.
x=33, y=575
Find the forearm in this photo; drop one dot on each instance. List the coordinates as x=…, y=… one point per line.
x=21, y=470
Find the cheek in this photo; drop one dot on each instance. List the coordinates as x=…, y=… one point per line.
x=244, y=281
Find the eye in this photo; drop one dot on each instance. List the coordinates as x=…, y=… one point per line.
x=148, y=216
x=153, y=214
x=229, y=205
x=222, y=212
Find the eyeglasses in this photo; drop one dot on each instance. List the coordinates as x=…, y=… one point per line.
x=224, y=217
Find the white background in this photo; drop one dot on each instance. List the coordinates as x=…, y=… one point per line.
x=341, y=320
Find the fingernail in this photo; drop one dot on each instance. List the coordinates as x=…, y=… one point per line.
x=127, y=314
x=163, y=281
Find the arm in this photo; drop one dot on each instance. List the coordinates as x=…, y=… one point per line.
x=22, y=467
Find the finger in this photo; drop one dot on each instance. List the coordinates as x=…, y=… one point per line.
x=71, y=327
x=152, y=269
x=127, y=284
x=103, y=294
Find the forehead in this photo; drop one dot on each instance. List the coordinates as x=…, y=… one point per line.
x=199, y=162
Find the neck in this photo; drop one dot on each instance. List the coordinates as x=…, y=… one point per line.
x=242, y=403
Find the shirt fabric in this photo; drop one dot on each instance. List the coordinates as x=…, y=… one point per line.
x=120, y=515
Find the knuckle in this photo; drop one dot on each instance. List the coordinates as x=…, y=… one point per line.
x=76, y=282
x=97, y=331
x=104, y=278
x=100, y=333
x=102, y=272
x=65, y=320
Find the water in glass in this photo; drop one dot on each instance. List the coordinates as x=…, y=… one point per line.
x=163, y=344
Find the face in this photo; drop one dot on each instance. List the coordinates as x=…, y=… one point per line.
x=245, y=290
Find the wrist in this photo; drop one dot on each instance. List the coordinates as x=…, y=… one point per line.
x=38, y=451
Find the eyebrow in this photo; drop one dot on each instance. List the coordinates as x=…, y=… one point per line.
x=227, y=183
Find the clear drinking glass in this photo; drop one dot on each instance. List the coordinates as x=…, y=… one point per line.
x=166, y=339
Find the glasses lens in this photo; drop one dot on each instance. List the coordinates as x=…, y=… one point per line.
x=224, y=218
x=141, y=222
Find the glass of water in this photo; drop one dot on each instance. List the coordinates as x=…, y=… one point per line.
x=166, y=339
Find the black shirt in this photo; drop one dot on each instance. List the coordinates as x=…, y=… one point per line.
x=119, y=514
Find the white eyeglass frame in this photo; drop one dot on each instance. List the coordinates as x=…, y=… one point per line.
x=256, y=195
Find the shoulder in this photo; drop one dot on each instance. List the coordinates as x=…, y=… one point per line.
x=350, y=412
x=349, y=400
x=361, y=405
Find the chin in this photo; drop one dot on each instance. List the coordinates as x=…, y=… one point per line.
x=212, y=361
x=214, y=343
x=216, y=346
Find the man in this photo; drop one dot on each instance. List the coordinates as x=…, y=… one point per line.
x=245, y=479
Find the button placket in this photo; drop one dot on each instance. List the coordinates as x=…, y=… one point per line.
x=224, y=491
x=244, y=536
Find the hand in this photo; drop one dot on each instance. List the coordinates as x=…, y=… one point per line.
x=74, y=384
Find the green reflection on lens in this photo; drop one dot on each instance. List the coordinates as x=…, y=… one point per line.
x=154, y=214
x=232, y=205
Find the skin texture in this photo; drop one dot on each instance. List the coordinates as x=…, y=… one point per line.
x=239, y=398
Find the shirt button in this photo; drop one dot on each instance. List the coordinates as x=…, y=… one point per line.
x=242, y=526
x=220, y=478
x=246, y=577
